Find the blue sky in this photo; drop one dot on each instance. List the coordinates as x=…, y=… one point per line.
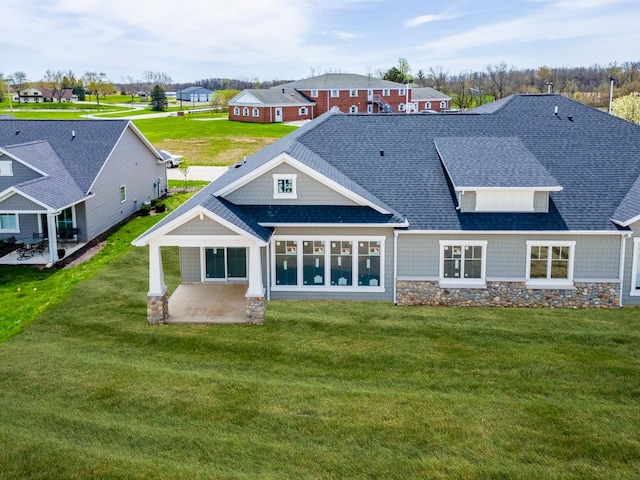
x=292, y=39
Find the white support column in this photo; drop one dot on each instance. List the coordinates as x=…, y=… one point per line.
x=53, y=239
x=156, y=274
x=256, y=288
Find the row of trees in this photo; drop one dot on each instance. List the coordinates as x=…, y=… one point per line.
x=590, y=85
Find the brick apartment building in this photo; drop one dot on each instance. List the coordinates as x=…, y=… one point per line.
x=350, y=93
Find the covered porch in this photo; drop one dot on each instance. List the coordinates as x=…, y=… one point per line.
x=221, y=303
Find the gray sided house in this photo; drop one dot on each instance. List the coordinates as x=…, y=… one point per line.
x=77, y=177
x=533, y=201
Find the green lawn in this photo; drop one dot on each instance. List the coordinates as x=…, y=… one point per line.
x=322, y=390
x=203, y=141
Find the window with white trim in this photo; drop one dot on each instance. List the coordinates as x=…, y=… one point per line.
x=245, y=111
x=335, y=93
x=256, y=112
x=353, y=109
x=236, y=110
x=303, y=111
x=401, y=91
x=6, y=168
x=443, y=104
x=427, y=105
x=353, y=93
x=314, y=93
x=284, y=186
x=401, y=107
x=123, y=193
x=463, y=261
x=369, y=108
x=635, y=269
x=9, y=223
x=550, y=262
x=385, y=92
x=329, y=263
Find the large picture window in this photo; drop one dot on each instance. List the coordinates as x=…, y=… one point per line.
x=286, y=270
x=331, y=263
x=462, y=261
x=9, y=223
x=550, y=262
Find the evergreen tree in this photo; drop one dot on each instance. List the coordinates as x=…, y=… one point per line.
x=158, y=99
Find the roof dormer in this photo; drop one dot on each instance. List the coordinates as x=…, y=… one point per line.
x=495, y=174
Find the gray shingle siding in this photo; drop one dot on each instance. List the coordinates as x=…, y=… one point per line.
x=309, y=191
x=205, y=226
x=21, y=173
x=18, y=202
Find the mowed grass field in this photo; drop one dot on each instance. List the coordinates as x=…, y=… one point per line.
x=333, y=390
x=206, y=139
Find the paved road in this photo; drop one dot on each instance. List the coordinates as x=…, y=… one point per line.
x=197, y=173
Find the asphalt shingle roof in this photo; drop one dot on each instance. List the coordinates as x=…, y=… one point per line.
x=427, y=93
x=491, y=162
x=393, y=159
x=83, y=155
x=272, y=97
x=57, y=189
x=342, y=81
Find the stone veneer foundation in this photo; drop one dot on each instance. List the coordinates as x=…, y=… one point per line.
x=157, y=308
x=256, y=309
x=509, y=294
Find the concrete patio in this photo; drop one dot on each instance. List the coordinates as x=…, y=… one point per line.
x=38, y=258
x=220, y=303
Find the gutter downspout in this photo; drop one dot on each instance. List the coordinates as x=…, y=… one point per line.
x=623, y=254
x=395, y=267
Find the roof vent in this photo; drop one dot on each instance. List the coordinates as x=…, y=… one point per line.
x=283, y=90
x=73, y=134
x=382, y=153
x=17, y=132
x=570, y=118
x=555, y=111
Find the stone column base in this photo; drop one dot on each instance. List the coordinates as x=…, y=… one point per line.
x=256, y=310
x=157, y=308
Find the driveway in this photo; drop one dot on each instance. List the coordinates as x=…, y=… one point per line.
x=208, y=174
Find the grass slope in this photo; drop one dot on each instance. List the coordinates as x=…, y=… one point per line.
x=322, y=390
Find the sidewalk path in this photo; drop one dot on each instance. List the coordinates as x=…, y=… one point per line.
x=197, y=173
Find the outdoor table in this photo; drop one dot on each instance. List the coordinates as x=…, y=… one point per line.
x=28, y=243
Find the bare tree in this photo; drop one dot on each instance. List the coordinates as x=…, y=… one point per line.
x=438, y=77
x=17, y=81
x=502, y=80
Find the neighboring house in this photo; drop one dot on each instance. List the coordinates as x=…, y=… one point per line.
x=88, y=175
x=429, y=99
x=38, y=95
x=194, y=94
x=310, y=98
x=531, y=201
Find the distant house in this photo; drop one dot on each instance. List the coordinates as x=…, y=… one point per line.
x=37, y=95
x=61, y=178
x=194, y=94
x=531, y=201
x=310, y=98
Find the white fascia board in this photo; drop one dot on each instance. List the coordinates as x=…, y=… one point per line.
x=493, y=189
x=197, y=211
x=286, y=158
x=245, y=98
x=28, y=165
x=626, y=223
x=340, y=225
x=512, y=232
x=202, y=241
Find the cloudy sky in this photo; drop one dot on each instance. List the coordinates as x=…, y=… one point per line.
x=292, y=39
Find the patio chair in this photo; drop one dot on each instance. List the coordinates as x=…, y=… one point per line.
x=41, y=247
